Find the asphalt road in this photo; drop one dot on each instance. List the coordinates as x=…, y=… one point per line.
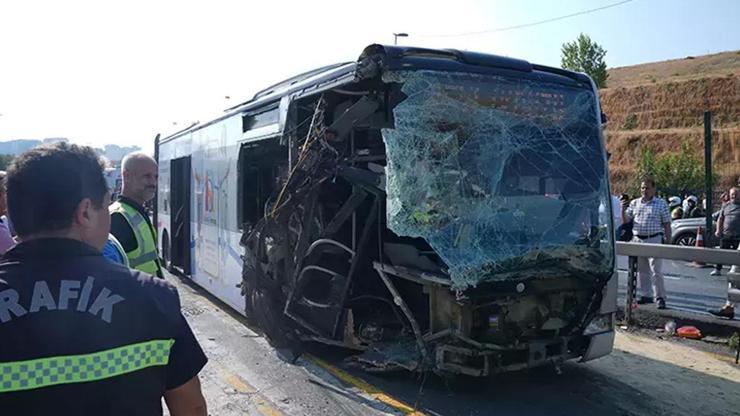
x=246, y=376
x=688, y=288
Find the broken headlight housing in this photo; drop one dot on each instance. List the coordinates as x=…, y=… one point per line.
x=599, y=324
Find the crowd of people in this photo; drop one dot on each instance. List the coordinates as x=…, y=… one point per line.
x=687, y=208
x=648, y=220
x=83, y=332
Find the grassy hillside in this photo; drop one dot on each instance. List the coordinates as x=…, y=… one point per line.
x=660, y=105
x=692, y=67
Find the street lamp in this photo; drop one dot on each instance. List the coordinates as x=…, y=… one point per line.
x=399, y=35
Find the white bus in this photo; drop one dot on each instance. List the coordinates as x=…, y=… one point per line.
x=429, y=209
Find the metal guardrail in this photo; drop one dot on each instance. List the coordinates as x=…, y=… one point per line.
x=671, y=252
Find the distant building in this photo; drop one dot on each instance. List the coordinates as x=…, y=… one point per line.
x=115, y=153
x=55, y=139
x=112, y=152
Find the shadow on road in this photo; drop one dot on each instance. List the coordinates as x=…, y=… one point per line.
x=619, y=384
x=604, y=387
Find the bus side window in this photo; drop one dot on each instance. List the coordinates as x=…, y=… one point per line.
x=260, y=169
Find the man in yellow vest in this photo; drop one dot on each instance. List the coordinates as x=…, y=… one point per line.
x=130, y=222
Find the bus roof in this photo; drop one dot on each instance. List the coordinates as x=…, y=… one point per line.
x=393, y=57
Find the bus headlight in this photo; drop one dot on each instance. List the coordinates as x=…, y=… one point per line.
x=599, y=324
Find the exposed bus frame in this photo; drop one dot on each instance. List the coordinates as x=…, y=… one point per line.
x=230, y=135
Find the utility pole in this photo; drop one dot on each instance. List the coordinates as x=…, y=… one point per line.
x=708, y=172
x=399, y=35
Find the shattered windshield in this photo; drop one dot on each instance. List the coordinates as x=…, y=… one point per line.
x=504, y=177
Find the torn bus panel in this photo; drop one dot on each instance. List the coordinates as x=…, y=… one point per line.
x=490, y=172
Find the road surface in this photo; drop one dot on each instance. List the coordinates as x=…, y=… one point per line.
x=688, y=288
x=644, y=376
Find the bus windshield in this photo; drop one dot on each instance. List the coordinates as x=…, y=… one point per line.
x=504, y=177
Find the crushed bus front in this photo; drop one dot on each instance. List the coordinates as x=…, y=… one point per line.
x=442, y=211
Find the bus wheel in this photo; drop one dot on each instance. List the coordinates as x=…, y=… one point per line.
x=265, y=313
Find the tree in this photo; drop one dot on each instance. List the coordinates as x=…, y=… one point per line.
x=586, y=56
x=675, y=173
x=681, y=173
x=645, y=167
x=5, y=161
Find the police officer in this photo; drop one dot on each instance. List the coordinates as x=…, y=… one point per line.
x=130, y=222
x=80, y=335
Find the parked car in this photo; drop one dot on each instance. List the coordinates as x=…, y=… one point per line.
x=683, y=231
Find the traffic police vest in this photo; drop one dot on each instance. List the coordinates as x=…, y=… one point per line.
x=145, y=256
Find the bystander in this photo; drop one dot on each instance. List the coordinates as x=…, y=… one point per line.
x=6, y=238
x=651, y=224
x=728, y=226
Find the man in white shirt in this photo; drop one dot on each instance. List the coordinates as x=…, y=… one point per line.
x=652, y=224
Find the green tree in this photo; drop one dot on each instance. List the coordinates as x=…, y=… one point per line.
x=677, y=174
x=680, y=173
x=645, y=167
x=5, y=161
x=586, y=56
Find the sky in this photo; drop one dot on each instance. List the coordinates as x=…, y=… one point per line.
x=100, y=72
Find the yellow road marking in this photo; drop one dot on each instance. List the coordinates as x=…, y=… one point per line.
x=264, y=407
x=260, y=403
x=369, y=389
x=237, y=382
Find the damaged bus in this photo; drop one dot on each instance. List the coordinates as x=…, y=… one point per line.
x=431, y=210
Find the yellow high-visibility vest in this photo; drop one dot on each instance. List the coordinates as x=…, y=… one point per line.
x=145, y=256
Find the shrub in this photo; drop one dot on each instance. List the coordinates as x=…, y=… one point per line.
x=677, y=173
x=630, y=122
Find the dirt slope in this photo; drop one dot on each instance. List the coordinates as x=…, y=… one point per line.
x=692, y=67
x=661, y=105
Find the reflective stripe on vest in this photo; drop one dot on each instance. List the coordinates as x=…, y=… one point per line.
x=143, y=259
x=69, y=369
x=145, y=256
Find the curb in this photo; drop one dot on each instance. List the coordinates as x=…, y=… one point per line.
x=649, y=317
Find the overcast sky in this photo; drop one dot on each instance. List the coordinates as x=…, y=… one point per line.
x=97, y=72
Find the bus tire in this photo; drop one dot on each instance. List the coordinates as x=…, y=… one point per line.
x=265, y=313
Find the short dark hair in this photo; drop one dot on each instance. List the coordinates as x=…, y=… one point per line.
x=46, y=184
x=649, y=180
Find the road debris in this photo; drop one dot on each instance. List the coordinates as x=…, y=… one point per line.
x=689, y=331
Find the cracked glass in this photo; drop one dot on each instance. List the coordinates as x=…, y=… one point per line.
x=505, y=178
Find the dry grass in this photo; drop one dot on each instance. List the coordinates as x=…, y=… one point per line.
x=673, y=104
x=626, y=148
x=676, y=70
x=661, y=105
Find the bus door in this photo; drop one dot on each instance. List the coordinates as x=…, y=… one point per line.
x=180, y=194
